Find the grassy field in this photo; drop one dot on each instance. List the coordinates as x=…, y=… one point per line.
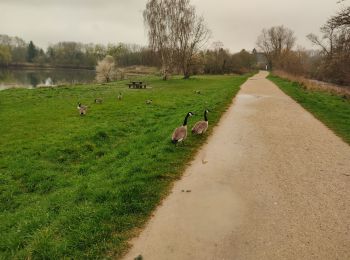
x=332, y=110
x=79, y=187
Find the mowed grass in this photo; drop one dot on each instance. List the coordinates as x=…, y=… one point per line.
x=332, y=110
x=80, y=187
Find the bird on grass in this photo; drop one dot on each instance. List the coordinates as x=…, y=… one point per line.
x=120, y=96
x=201, y=126
x=149, y=101
x=82, y=109
x=98, y=100
x=180, y=133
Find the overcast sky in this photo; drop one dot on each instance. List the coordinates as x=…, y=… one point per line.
x=236, y=23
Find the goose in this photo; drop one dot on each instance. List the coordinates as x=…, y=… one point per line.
x=98, y=100
x=149, y=101
x=180, y=133
x=82, y=109
x=120, y=96
x=201, y=126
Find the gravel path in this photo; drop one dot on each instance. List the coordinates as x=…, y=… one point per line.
x=272, y=182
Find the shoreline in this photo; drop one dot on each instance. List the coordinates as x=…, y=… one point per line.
x=44, y=66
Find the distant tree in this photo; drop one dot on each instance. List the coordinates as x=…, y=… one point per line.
x=342, y=18
x=75, y=54
x=5, y=55
x=160, y=33
x=243, y=61
x=327, y=41
x=116, y=50
x=335, y=48
x=106, y=70
x=217, y=59
x=31, y=52
x=175, y=32
x=17, y=46
x=41, y=57
x=276, y=42
x=100, y=51
x=191, y=33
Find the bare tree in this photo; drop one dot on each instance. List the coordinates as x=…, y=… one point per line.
x=335, y=48
x=175, y=32
x=342, y=18
x=276, y=42
x=327, y=41
x=105, y=70
x=335, y=26
x=160, y=36
x=190, y=31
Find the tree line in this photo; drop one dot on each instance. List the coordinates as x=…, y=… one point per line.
x=15, y=51
x=213, y=60
x=330, y=62
x=177, y=45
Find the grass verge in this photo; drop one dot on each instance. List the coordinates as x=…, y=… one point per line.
x=333, y=110
x=78, y=187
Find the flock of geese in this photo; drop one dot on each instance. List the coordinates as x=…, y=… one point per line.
x=179, y=134
x=83, y=108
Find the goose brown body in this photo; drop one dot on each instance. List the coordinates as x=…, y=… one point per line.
x=82, y=109
x=201, y=126
x=180, y=133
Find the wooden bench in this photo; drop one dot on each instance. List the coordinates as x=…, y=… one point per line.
x=137, y=84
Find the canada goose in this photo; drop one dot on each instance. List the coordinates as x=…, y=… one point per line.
x=98, y=100
x=149, y=101
x=120, y=96
x=82, y=109
x=180, y=133
x=201, y=126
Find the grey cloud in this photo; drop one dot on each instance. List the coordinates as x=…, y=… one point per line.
x=236, y=23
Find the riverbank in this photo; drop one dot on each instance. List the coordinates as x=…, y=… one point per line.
x=27, y=65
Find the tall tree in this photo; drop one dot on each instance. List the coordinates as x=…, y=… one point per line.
x=342, y=18
x=160, y=34
x=190, y=32
x=276, y=42
x=175, y=32
x=335, y=48
x=31, y=52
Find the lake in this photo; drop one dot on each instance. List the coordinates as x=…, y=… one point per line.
x=32, y=78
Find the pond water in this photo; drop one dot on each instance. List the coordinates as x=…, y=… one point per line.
x=32, y=78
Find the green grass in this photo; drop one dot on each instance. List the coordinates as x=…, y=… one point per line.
x=332, y=110
x=79, y=187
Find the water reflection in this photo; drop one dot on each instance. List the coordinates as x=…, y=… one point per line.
x=31, y=78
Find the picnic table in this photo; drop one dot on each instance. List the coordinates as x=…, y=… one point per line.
x=137, y=84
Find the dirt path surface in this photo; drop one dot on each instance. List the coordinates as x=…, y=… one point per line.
x=272, y=182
